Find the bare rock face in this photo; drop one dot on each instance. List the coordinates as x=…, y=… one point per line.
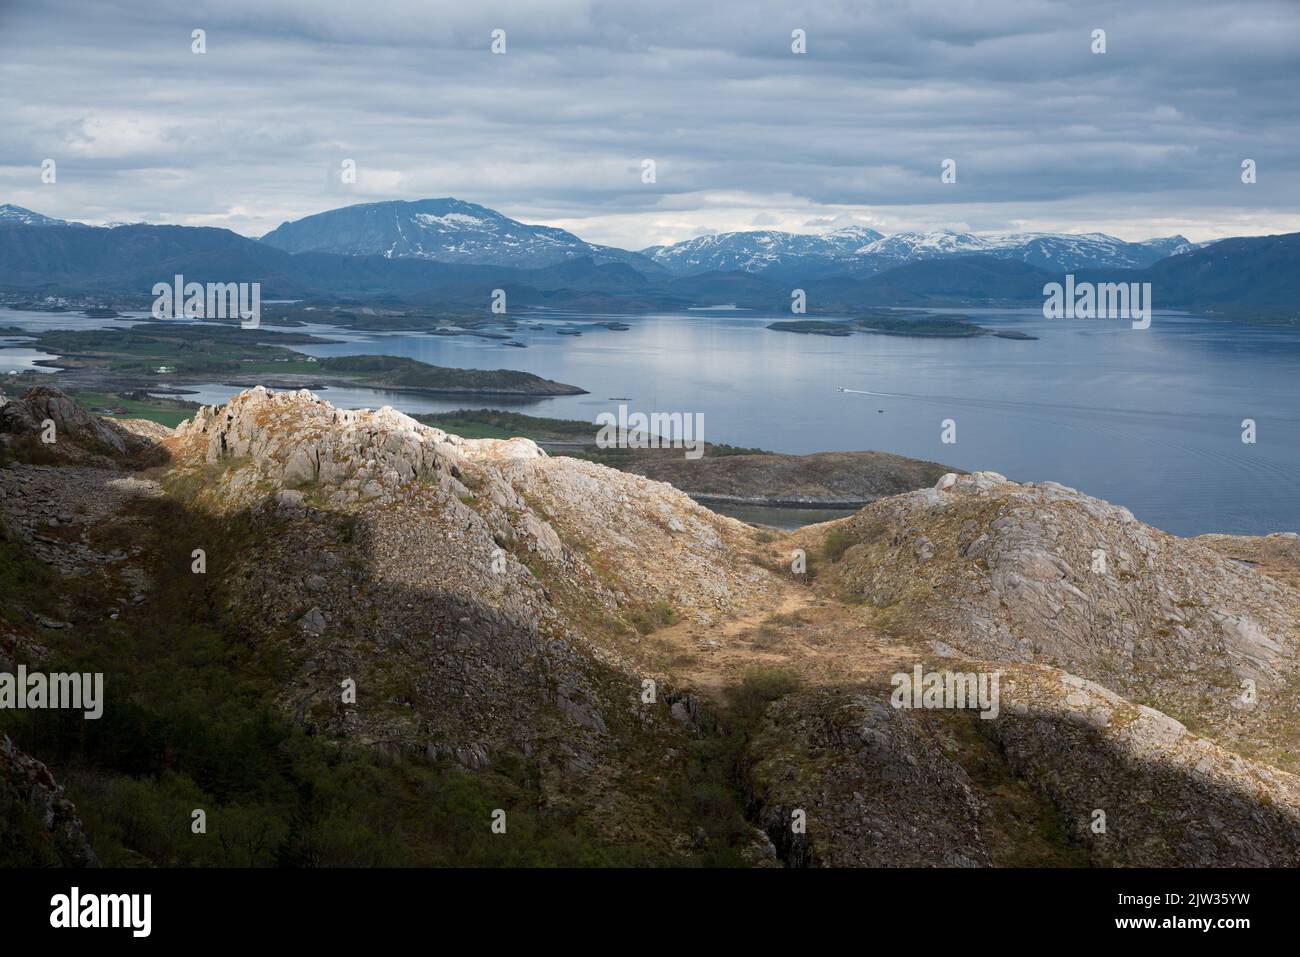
x=658, y=544
x=871, y=788
x=1137, y=787
x=294, y=438
x=79, y=437
x=1043, y=573
x=29, y=784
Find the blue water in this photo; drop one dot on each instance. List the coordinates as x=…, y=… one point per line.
x=1149, y=419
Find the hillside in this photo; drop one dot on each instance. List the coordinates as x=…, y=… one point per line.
x=499, y=612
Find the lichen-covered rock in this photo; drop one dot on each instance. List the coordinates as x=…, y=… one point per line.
x=1043, y=573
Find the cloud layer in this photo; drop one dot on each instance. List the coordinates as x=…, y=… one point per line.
x=1146, y=139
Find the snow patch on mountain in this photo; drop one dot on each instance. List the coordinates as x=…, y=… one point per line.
x=763, y=250
x=859, y=251
x=445, y=230
x=25, y=217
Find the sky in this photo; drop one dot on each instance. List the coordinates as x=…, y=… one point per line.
x=1146, y=139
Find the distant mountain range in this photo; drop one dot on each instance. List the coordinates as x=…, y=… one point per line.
x=443, y=230
x=861, y=252
x=451, y=252
x=449, y=230
x=1050, y=251
x=767, y=252
x=452, y=231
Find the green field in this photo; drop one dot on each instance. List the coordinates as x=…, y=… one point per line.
x=185, y=349
x=491, y=424
x=168, y=412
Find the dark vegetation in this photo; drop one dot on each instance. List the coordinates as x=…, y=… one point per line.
x=403, y=373
x=944, y=327
x=897, y=323
x=191, y=722
x=815, y=327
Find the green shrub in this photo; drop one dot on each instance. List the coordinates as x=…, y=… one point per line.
x=648, y=618
x=836, y=543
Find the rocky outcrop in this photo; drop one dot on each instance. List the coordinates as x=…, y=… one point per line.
x=1043, y=573
x=841, y=779
x=47, y=424
x=1102, y=781
x=1137, y=788
x=294, y=438
x=482, y=595
x=33, y=797
x=620, y=539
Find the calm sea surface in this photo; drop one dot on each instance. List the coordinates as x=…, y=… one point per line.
x=1149, y=419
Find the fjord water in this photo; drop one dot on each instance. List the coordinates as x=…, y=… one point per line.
x=1148, y=419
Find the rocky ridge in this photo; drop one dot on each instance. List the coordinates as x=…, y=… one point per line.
x=75, y=436
x=490, y=600
x=1043, y=573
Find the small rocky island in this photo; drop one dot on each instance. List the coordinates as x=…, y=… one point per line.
x=921, y=326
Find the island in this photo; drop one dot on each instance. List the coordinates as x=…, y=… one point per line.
x=898, y=323
x=813, y=327
x=167, y=353
x=400, y=374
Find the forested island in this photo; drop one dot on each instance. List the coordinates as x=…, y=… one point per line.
x=912, y=324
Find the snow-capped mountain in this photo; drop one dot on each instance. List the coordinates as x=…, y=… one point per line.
x=25, y=217
x=1051, y=251
x=447, y=230
x=452, y=231
x=837, y=252
x=764, y=250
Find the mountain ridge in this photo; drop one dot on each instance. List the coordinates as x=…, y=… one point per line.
x=1243, y=276
x=450, y=230
x=500, y=610
x=445, y=230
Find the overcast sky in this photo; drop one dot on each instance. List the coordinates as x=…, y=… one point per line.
x=1144, y=140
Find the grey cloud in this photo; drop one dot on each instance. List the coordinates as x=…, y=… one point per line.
x=743, y=132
